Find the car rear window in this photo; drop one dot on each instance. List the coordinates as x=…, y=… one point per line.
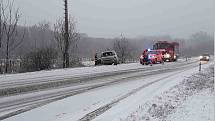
x=105, y=54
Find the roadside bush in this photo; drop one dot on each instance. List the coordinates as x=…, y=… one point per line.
x=40, y=59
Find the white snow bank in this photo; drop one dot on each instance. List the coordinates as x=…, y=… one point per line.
x=88, y=63
x=199, y=107
x=150, y=103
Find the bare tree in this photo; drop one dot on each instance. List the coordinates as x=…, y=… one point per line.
x=10, y=19
x=59, y=34
x=65, y=34
x=122, y=47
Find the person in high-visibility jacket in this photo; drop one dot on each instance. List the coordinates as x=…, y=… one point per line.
x=146, y=57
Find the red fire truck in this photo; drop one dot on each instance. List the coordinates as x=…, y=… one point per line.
x=170, y=50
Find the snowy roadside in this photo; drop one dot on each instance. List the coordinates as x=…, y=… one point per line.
x=199, y=107
x=191, y=100
x=76, y=107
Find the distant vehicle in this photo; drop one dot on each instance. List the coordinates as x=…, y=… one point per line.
x=204, y=57
x=109, y=57
x=170, y=50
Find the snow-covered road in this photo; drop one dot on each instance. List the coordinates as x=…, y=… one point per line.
x=101, y=98
x=72, y=75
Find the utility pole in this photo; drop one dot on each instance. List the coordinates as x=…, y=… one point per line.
x=1, y=24
x=66, y=37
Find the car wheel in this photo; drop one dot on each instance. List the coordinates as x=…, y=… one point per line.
x=115, y=63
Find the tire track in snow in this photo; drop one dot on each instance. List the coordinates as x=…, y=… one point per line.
x=92, y=115
x=31, y=103
x=29, y=86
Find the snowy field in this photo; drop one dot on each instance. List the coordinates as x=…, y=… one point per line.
x=156, y=97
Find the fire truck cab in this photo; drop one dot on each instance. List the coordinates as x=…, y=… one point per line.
x=170, y=51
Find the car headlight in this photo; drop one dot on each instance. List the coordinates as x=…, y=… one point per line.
x=167, y=56
x=141, y=57
x=200, y=57
x=207, y=57
x=174, y=56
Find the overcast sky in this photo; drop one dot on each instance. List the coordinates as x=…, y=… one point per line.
x=109, y=18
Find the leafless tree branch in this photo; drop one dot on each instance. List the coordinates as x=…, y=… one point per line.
x=59, y=35
x=10, y=17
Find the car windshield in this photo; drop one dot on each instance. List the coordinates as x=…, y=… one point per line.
x=205, y=55
x=105, y=54
x=162, y=46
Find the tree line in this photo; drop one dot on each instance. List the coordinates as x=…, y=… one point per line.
x=64, y=34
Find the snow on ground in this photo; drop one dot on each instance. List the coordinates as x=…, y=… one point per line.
x=88, y=63
x=75, y=107
x=199, y=107
x=157, y=103
x=65, y=73
x=70, y=72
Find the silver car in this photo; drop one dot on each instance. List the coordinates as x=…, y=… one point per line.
x=109, y=57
